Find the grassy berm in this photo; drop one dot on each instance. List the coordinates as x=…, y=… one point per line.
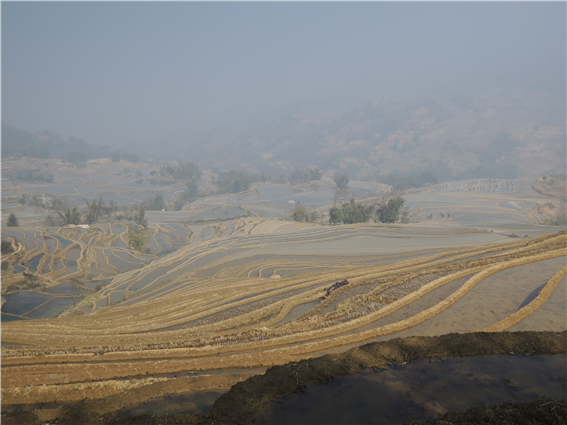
x=241, y=404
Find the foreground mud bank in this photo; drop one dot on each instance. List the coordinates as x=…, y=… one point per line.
x=242, y=403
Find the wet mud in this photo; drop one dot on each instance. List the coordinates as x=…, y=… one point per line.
x=242, y=403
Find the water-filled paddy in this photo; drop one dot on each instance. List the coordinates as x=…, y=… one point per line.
x=8, y=318
x=54, y=307
x=94, y=283
x=420, y=390
x=21, y=302
x=220, y=213
x=18, y=268
x=67, y=289
x=11, y=205
x=298, y=311
x=32, y=265
x=71, y=259
x=63, y=241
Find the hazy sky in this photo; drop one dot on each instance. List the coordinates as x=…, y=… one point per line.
x=119, y=73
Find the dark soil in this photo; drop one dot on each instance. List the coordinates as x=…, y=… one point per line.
x=241, y=404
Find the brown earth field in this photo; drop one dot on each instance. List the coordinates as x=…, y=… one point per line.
x=241, y=404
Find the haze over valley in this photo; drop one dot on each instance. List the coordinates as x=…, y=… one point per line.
x=210, y=210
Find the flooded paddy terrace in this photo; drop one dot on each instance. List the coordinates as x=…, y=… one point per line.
x=254, y=290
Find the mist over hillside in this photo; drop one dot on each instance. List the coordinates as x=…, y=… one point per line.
x=455, y=134
x=500, y=133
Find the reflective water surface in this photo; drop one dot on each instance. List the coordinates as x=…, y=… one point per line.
x=421, y=389
x=186, y=403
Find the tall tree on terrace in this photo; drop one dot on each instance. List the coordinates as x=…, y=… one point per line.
x=12, y=221
x=93, y=210
x=71, y=216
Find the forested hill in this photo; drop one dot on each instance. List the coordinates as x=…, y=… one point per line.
x=475, y=133
x=22, y=143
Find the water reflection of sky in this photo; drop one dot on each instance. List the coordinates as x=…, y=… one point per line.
x=421, y=390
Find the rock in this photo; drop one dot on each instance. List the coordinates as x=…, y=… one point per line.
x=336, y=286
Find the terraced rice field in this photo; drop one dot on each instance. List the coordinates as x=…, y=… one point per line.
x=233, y=320
x=238, y=292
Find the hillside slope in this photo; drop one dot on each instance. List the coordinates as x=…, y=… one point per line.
x=490, y=133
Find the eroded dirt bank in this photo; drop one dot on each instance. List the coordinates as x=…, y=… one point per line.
x=241, y=404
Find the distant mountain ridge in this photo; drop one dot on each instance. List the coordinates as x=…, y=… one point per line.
x=475, y=133
x=21, y=143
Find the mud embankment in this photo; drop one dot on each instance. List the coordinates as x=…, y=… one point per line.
x=242, y=403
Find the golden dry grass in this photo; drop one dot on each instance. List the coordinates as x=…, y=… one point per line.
x=227, y=322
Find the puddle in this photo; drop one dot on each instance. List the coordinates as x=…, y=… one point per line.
x=421, y=390
x=188, y=403
x=298, y=311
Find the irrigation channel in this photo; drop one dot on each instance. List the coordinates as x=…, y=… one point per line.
x=230, y=287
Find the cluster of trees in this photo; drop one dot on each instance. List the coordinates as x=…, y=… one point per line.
x=341, y=179
x=70, y=216
x=233, y=181
x=93, y=212
x=50, y=201
x=137, y=238
x=141, y=216
x=306, y=175
x=256, y=177
x=155, y=203
x=188, y=195
x=351, y=212
x=6, y=247
x=404, y=181
x=116, y=156
x=182, y=171
x=355, y=212
x=12, y=221
x=389, y=212
x=301, y=214
x=35, y=175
